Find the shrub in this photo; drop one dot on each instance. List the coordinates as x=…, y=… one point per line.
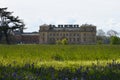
x=99, y=42
x=58, y=42
x=114, y=40
x=64, y=41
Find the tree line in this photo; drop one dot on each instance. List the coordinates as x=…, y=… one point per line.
x=110, y=37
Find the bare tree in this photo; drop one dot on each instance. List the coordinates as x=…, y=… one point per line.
x=100, y=32
x=112, y=33
x=100, y=36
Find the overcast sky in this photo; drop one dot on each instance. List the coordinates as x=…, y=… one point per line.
x=105, y=14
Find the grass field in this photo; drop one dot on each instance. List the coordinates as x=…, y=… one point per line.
x=58, y=54
x=60, y=59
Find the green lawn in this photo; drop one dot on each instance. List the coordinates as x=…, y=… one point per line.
x=58, y=55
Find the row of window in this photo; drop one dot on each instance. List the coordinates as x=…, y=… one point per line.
x=61, y=34
x=70, y=39
x=87, y=29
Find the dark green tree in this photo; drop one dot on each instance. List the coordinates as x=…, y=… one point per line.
x=9, y=23
x=114, y=40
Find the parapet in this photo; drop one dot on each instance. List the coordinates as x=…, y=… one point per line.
x=68, y=27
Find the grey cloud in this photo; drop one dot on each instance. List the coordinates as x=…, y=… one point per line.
x=96, y=12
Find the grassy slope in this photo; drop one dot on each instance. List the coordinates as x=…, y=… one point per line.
x=68, y=54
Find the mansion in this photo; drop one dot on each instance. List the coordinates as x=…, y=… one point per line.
x=50, y=34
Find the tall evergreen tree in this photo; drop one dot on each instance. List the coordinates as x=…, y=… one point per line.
x=9, y=23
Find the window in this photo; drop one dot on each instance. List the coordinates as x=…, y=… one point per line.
x=73, y=39
x=53, y=34
x=50, y=34
x=53, y=39
x=92, y=29
x=50, y=39
x=84, y=34
x=57, y=34
x=74, y=34
x=70, y=39
x=43, y=39
x=66, y=34
x=60, y=34
x=84, y=39
x=78, y=39
x=78, y=34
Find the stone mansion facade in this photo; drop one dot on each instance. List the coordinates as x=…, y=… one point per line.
x=74, y=34
x=49, y=34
